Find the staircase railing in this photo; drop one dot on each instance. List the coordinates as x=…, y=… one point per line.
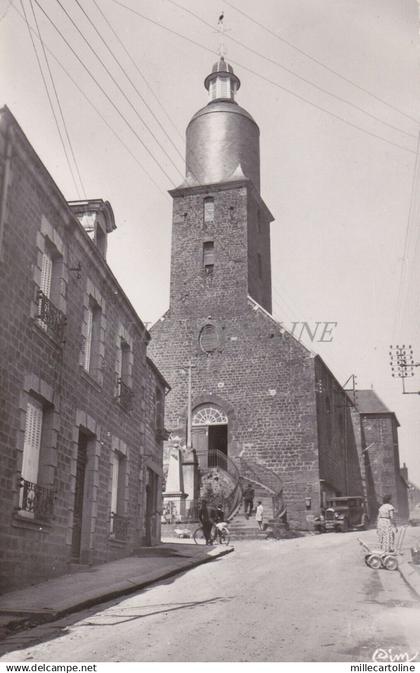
x=214, y=458
x=263, y=476
x=229, y=494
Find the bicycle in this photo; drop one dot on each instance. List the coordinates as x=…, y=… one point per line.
x=218, y=535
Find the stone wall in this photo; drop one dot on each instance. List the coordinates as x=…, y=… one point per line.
x=383, y=463
x=263, y=380
x=37, y=364
x=338, y=442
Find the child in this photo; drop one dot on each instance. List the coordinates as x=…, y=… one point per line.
x=259, y=514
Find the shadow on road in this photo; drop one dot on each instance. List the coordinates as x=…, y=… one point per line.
x=52, y=630
x=164, y=610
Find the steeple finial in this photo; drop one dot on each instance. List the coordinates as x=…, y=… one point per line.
x=221, y=30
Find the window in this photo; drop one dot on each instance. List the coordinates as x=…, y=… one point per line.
x=208, y=255
x=46, y=274
x=208, y=207
x=125, y=362
x=49, y=317
x=35, y=501
x=32, y=441
x=124, y=391
x=209, y=338
x=93, y=322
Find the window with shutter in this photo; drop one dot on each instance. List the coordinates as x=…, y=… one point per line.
x=32, y=441
x=115, y=481
x=125, y=362
x=89, y=336
x=46, y=274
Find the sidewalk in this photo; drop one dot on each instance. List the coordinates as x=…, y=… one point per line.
x=410, y=572
x=95, y=584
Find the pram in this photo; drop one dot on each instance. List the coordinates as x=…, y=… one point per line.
x=376, y=558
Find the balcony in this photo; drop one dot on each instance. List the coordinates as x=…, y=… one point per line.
x=49, y=317
x=119, y=527
x=125, y=395
x=38, y=501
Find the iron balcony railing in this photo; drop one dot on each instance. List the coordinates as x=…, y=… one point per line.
x=49, y=316
x=119, y=526
x=125, y=395
x=35, y=499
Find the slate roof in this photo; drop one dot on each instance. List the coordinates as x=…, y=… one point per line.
x=368, y=402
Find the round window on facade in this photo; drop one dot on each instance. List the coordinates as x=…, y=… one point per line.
x=209, y=338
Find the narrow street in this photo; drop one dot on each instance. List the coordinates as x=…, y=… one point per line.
x=307, y=599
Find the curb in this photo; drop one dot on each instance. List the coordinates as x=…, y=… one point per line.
x=35, y=618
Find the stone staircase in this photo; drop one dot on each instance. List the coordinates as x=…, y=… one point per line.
x=241, y=528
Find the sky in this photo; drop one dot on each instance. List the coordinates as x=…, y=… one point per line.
x=334, y=90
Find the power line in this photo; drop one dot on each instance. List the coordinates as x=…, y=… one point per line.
x=134, y=87
x=50, y=101
x=58, y=101
x=100, y=87
x=133, y=107
x=410, y=218
x=95, y=108
x=269, y=81
x=295, y=74
x=141, y=73
x=320, y=63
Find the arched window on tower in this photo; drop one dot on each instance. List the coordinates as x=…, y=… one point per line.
x=208, y=210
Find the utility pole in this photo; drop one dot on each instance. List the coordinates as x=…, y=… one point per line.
x=402, y=365
x=189, y=405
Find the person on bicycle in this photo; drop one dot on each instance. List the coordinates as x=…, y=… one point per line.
x=206, y=521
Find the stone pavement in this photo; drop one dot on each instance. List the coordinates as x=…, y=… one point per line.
x=409, y=571
x=94, y=584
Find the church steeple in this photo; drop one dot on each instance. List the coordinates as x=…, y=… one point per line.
x=222, y=138
x=221, y=226
x=222, y=83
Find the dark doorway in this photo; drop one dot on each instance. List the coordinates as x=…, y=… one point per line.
x=218, y=444
x=79, y=495
x=200, y=443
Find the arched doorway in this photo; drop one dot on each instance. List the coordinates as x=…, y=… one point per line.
x=210, y=434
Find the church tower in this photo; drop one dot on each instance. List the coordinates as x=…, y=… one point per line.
x=221, y=226
x=245, y=394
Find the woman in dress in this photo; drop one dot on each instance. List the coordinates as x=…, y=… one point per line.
x=386, y=525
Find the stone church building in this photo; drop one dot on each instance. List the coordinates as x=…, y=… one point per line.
x=259, y=400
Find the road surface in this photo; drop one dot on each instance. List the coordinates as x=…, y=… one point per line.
x=307, y=599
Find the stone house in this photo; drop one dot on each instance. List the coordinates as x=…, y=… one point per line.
x=81, y=404
x=380, y=454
